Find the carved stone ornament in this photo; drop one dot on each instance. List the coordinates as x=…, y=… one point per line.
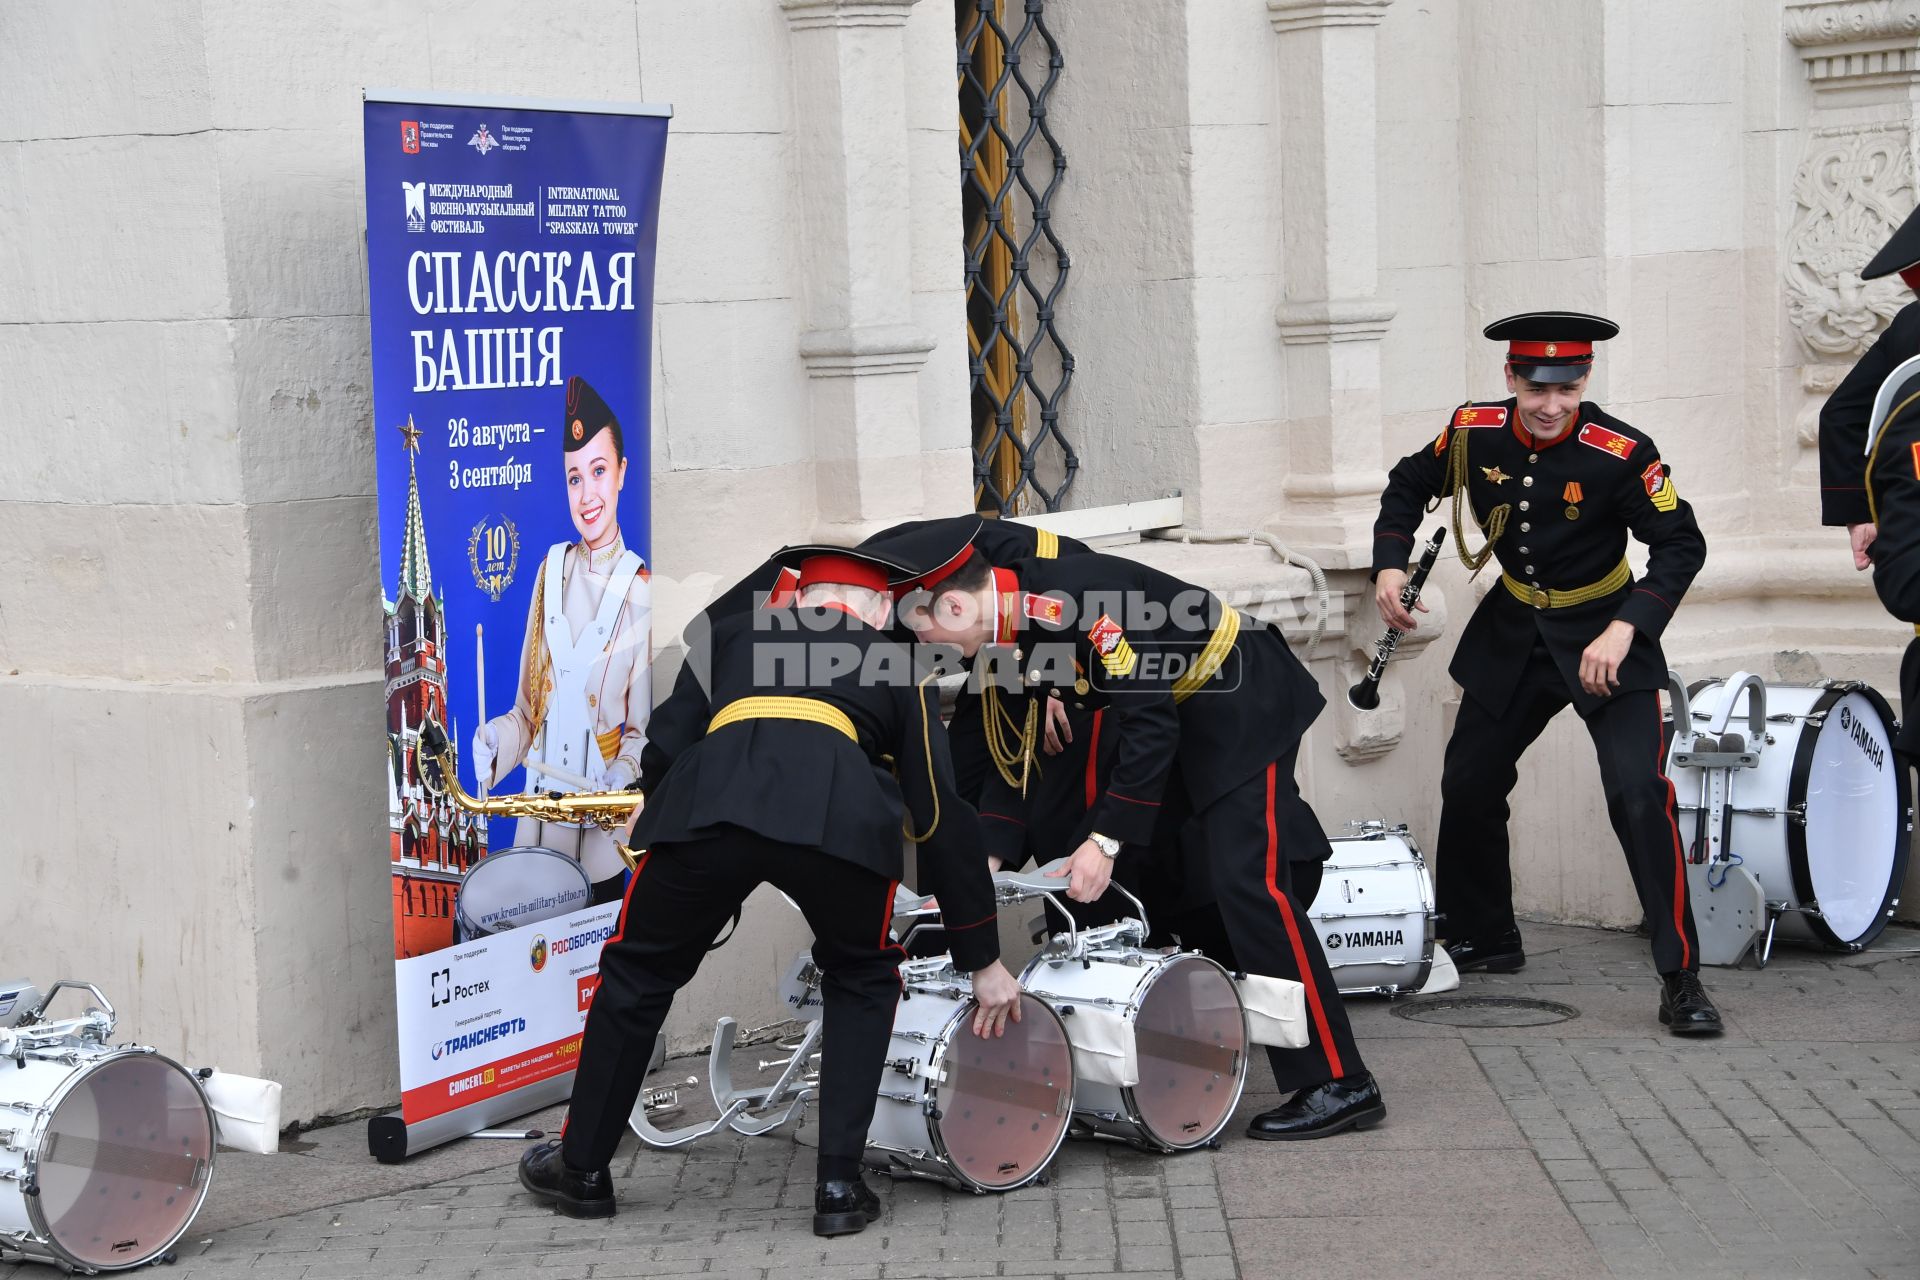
x=1851, y=193
x=1840, y=21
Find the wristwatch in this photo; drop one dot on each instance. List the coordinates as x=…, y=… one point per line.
x=1108, y=845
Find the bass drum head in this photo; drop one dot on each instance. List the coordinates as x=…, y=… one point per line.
x=1191, y=1038
x=1851, y=855
x=1005, y=1102
x=124, y=1162
x=520, y=886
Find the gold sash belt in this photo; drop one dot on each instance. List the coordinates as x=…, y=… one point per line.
x=780, y=707
x=1546, y=599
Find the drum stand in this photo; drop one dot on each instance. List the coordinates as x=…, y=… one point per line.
x=1729, y=906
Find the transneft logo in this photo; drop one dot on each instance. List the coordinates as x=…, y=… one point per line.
x=579, y=940
x=474, y=1039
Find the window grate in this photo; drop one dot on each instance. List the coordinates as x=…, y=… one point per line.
x=1019, y=365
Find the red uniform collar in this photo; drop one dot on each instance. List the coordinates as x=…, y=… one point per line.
x=1527, y=438
x=1006, y=606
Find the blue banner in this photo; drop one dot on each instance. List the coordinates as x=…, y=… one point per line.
x=510, y=266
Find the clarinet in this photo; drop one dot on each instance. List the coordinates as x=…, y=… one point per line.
x=1366, y=694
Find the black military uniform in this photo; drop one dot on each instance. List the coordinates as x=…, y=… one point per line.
x=770, y=771
x=1185, y=681
x=1000, y=543
x=1891, y=487
x=1558, y=514
x=1843, y=419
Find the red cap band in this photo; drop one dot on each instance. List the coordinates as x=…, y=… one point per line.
x=1912, y=277
x=928, y=581
x=841, y=569
x=1565, y=352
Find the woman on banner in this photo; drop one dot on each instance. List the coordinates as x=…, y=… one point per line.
x=579, y=716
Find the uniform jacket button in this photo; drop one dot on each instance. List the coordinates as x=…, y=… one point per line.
x=1525, y=551
x=1523, y=506
x=1525, y=527
x=1530, y=570
x=1527, y=481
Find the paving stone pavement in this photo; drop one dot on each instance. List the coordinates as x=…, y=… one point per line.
x=1590, y=1147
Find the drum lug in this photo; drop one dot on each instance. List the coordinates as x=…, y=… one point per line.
x=1797, y=814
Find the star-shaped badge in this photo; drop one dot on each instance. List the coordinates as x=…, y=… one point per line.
x=1495, y=475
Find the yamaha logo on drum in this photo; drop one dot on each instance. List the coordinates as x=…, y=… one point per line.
x=1863, y=738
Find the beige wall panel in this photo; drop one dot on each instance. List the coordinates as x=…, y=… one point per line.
x=1428, y=364
x=946, y=405
x=322, y=895
x=126, y=592
x=1239, y=370
x=726, y=225
x=66, y=210
x=1231, y=46
x=302, y=66
x=1686, y=177
x=295, y=209
x=152, y=901
x=733, y=385
x=82, y=68
x=1236, y=206
x=313, y=580
x=160, y=426
x=723, y=65
x=305, y=400
x=582, y=49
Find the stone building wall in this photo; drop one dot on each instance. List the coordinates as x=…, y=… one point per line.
x=1288, y=219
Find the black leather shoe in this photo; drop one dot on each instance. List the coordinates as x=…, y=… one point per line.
x=1684, y=1007
x=576, y=1194
x=841, y=1208
x=1333, y=1107
x=1499, y=953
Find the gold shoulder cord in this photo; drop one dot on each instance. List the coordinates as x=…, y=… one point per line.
x=1016, y=753
x=933, y=786
x=1496, y=519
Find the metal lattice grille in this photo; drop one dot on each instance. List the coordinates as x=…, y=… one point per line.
x=1020, y=367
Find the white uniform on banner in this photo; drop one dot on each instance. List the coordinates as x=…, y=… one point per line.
x=583, y=697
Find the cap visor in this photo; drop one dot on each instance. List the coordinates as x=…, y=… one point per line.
x=1551, y=372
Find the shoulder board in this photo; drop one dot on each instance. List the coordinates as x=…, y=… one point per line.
x=1041, y=608
x=1480, y=415
x=1595, y=436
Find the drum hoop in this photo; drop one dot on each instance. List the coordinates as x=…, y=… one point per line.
x=30, y=1159
x=1246, y=1054
x=1798, y=868
x=937, y=1140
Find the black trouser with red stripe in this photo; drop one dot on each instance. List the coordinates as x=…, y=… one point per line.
x=1266, y=918
x=1474, y=889
x=678, y=901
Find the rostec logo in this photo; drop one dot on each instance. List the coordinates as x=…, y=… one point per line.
x=410, y=137
x=415, y=197
x=474, y=1039
x=446, y=990
x=579, y=940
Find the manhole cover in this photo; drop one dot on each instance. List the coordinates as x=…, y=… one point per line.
x=1485, y=1011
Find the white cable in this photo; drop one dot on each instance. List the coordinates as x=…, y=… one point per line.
x=1180, y=533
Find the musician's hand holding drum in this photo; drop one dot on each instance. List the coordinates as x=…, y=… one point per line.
x=1386, y=597
x=1090, y=870
x=997, y=993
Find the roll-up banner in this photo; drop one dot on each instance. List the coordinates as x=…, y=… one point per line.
x=510, y=263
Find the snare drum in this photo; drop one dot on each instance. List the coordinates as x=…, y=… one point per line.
x=105, y=1154
x=1374, y=913
x=978, y=1115
x=1821, y=819
x=1190, y=1041
x=512, y=887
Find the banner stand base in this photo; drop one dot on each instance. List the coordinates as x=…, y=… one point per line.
x=391, y=1140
